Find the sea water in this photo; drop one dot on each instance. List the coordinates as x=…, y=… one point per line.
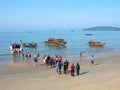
x=77, y=41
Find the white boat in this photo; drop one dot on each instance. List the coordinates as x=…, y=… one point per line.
x=16, y=48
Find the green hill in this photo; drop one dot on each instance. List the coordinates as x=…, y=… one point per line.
x=102, y=28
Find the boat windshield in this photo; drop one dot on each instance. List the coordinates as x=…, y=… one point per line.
x=16, y=45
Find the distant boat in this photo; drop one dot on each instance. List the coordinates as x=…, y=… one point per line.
x=95, y=43
x=33, y=45
x=16, y=48
x=55, y=42
x=88, y=34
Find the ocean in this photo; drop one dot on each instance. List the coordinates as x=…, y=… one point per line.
x=77, y=41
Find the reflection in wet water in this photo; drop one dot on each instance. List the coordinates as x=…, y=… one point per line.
x=18, y=57
x=56, y=47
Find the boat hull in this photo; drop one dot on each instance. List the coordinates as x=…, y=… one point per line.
x=55, y=44
x=96, y=44
x=32, y=45
x=16, y=50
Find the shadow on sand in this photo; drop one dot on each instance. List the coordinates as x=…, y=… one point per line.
x=69, y=72
x=97, y=63
x=83, y=73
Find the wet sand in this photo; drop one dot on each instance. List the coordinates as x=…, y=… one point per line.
x=104, y=75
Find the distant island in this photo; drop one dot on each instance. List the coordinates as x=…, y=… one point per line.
x=102, y=28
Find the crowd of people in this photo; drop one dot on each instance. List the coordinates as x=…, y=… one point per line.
x=61, y=66
x=57, y=62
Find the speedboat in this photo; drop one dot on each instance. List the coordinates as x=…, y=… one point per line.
x=16, y=48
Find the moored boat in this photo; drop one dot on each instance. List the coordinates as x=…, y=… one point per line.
x=88, y=34
x=16, y=48
x=95, y=43
x=55, y=42
x=30, y=44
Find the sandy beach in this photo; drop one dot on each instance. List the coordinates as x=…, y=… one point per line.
x=104, y=75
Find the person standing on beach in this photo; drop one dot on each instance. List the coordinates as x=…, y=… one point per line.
x=72, y=68
x=60, y=58
x=80, y=55
x=58, y=67
x=35, y=61
x=51, y=61
x=67, y=63
x=77, y=68
x=65, y=67
x=92, y=59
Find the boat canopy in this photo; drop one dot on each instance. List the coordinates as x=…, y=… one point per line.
x=60, y=40
x=16, y=45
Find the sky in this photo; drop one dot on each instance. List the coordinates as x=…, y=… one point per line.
x=58, y=14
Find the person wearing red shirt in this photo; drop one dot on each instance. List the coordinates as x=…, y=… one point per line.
x=72, y=68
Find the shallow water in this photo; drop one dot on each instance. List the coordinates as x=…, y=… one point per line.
x=77, y=42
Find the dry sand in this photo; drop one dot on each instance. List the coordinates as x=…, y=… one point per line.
x=105, y=75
